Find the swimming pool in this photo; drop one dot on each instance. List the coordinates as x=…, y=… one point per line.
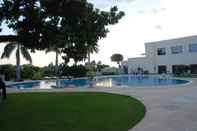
x=102, y=81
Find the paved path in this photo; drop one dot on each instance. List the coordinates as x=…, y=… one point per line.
x=172, y=109
x=168, y=109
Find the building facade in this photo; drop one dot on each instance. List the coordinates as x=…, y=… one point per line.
x=167, y=56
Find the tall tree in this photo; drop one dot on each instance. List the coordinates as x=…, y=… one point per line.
x=57, y=53
x=90, y=29
x=38, y=24
x=20, y=49
x=117, y=58
x=91, y=49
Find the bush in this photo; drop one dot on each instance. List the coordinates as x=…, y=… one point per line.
x=91, y=72
x=31, y=72
x=27, y=71
x=77, y=71
x=125, y=69
x=37, y=75
x=110, y=71
x=74, y=71
x=49, y=70
x=9, y=71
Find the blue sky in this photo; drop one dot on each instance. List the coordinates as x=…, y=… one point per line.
x=145, y=21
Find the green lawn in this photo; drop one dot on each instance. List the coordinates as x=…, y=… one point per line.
x=69, y=112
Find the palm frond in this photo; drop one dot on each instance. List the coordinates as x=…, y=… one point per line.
x=96, y=49
x=8, y=49
x=26, y=54
x=93, y=48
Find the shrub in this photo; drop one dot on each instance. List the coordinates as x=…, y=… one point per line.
x=9, y=71
x=49, y=70
x=77, y=71
x=110, y=71
x=27, y=71
x=37, y=75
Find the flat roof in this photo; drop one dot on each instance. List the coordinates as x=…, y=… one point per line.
x=172, y=39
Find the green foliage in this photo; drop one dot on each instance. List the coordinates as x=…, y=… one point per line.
x=181, y=70
x=97, y=66
x=110, y=71
x=9, y=71
x=77, y=71
x=49, y=70
x=27, y=71
x=125, y=70
x=25, y=53
x=117, y=58
x=31, y=72
x=91, y=72
x=101, y=66
x=9, y=48
x=64, y=70
x=74, y=25
x=38, y=75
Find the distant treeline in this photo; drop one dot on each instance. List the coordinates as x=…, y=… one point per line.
x=35, y=73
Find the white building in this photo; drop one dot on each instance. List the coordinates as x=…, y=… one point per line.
x=167, y=56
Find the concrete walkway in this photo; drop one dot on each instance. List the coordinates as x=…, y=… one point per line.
x=168, y=109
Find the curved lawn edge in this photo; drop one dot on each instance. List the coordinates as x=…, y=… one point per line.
x=125, y=95
x=114, y=112
x=139, y=101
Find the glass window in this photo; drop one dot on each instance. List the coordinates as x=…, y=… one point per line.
x=193, y=48
x=161, y=51
x=177, y=49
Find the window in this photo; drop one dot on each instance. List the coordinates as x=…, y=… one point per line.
x=193, y=68
x=193, y=48
x=162, y=69
x=161, y=51
x=180, y=69
x=177, y=49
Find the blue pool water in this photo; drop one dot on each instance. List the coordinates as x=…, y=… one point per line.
x=109, y=81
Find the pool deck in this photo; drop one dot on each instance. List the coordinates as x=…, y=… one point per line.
x=168, y=109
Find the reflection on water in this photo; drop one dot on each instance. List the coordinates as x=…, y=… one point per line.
x=72, y=83
x=25, y=85
x=105, y=83
x=47, y=84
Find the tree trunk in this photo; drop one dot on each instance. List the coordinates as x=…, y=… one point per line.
x=56, y=63
x=88, y=58
x=119, y=68
x=18, y=70
x=118, y=64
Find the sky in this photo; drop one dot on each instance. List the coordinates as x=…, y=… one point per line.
x=145, y=21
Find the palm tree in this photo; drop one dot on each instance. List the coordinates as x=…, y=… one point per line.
x=9, y=48
x=117, y=58
x=91, y=49
x=57, y=52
